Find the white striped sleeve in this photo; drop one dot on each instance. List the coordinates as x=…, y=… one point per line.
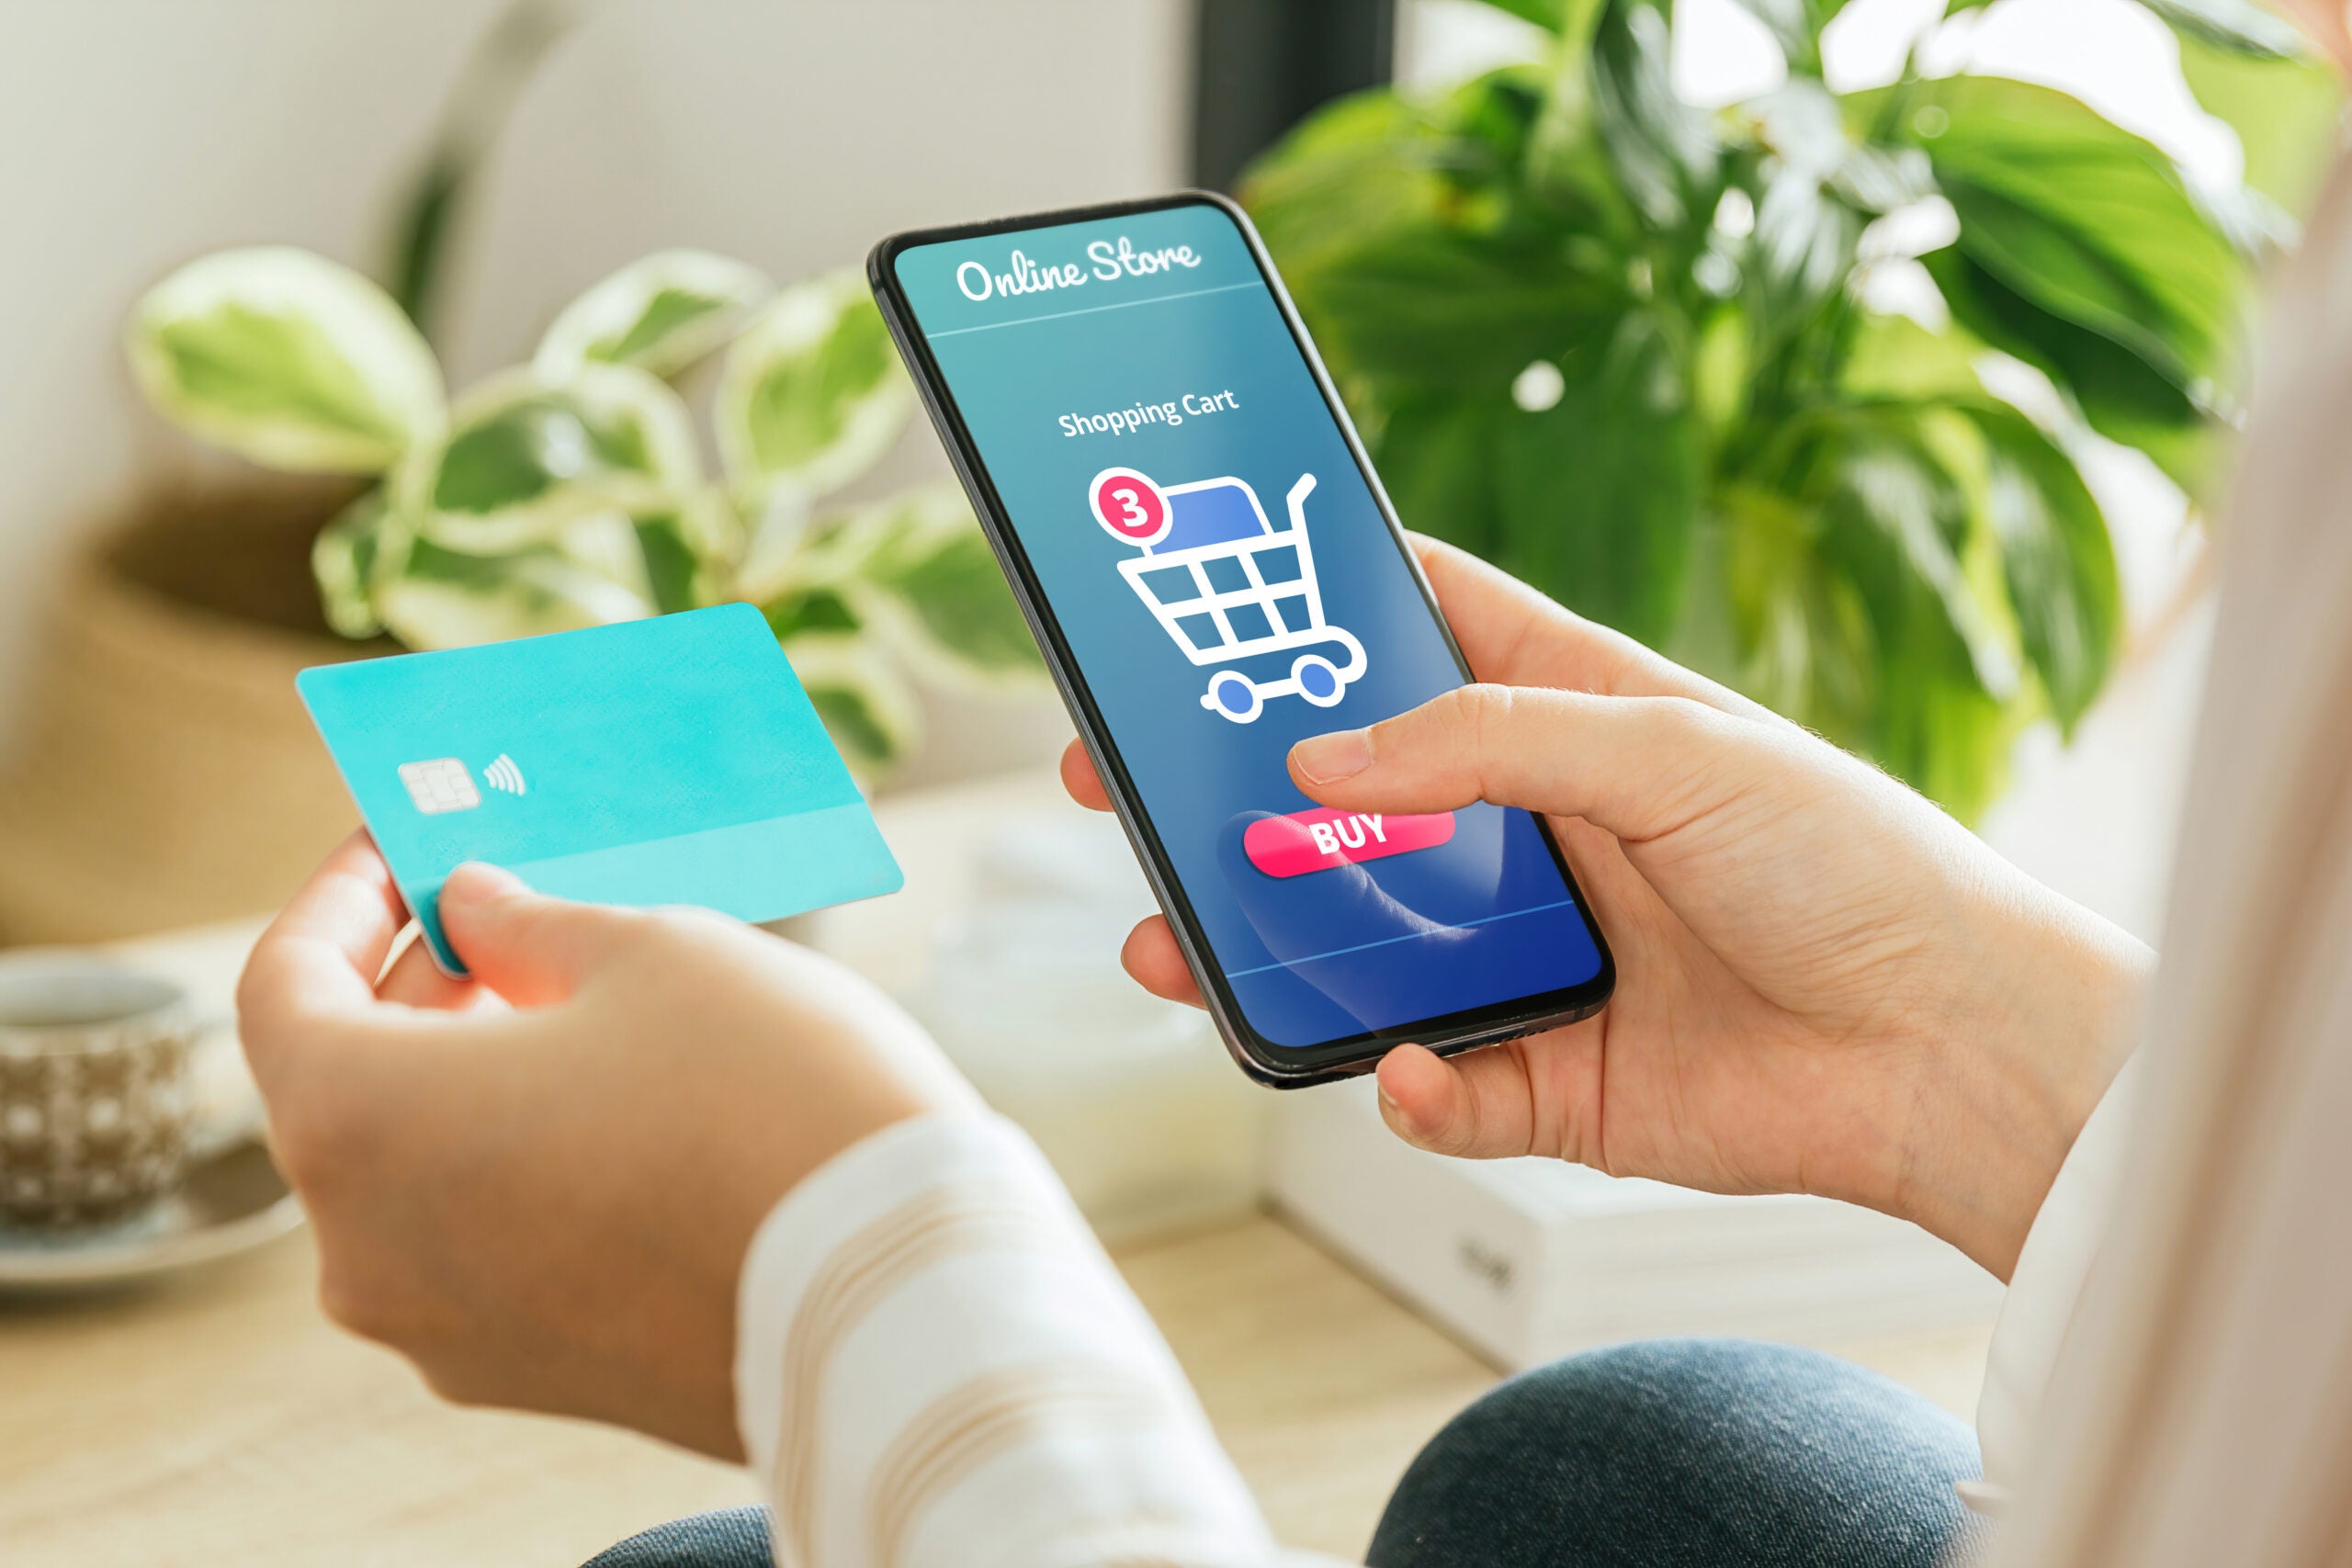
x=935, y=1363
x=2045, y=1288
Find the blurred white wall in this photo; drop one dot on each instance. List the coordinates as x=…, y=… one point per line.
x=137, y=134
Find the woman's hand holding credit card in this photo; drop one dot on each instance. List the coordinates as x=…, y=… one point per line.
x=671, y=761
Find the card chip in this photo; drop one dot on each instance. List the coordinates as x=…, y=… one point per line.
x=441, y=785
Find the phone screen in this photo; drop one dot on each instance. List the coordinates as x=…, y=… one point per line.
x=1195, y=520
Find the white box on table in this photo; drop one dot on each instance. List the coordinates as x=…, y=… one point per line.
x=1528, y=1259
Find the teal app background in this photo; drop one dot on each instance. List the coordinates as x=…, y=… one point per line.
x=1484, y=919
x=671, y=761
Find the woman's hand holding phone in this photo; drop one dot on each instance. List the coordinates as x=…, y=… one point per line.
x=1826, y=984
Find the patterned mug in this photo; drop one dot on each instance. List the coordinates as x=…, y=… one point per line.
x=95, y=1092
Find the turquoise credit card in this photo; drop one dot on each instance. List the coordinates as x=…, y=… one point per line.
x=672, y=760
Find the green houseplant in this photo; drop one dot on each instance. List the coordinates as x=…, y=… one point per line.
x=1628, y=349
x=571, y=491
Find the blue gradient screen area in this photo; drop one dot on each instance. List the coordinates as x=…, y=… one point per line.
x=1226, y=585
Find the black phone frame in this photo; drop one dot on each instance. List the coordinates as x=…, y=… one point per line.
x=1278, y=1067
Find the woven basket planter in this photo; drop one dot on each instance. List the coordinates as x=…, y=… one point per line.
x=165, y=773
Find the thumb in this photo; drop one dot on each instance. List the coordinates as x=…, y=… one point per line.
x=1479, y=1106
x=529, y=948
x=1637, y=767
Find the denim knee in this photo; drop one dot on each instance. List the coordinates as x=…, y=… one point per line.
x=1686, y=1452
x=729, y=1538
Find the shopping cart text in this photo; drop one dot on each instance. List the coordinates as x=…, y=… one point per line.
x=1135, y=417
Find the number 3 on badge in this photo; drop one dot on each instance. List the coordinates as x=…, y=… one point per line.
x=1130, y=507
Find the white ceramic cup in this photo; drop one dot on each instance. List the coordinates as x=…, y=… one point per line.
x=96, y=1090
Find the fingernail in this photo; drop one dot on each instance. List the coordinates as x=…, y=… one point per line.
x=1328, y=759
x=1394, y=1113
x=479, y=881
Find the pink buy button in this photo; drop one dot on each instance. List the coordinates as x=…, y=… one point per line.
x=1321, y=838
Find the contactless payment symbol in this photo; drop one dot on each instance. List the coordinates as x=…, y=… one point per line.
x=1227, y=588
x=1130, y=507
x=444, y=783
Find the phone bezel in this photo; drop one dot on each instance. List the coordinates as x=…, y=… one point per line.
x=1283, y=1066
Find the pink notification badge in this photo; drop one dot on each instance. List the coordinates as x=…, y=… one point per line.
x=1130, y=507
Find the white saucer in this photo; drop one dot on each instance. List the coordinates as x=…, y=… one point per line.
x=232, y=1202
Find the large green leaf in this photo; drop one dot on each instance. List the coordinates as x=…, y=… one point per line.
x=524, y=457
x=1898, y=519
x=1432, y=306
x=1593, y=499
x=2082, y=220
x=1663, y=150
x=813, y=393
x=1568, y=152
x=659, y=313
x=287, y=358
x=1437, y=460
x=2120, y=395
x=1894, y=358
x=2056, y=559
x=1894, y=520
x=1941, y=732
x=2284, y=108
x=1855, y=612
x=1596, y=496
x=1804, y=643
x=1483, y=129
x=1351, y=171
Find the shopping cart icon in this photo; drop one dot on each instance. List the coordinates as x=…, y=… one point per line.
x=1228, y=587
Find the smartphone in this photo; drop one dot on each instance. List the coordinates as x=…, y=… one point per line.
x=1213, y=572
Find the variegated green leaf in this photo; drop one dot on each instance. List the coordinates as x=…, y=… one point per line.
x=690, y=551
x=344, y=559
x=797, y=611
x=288, y=359
x=605, y=543
x=660, y=314
x=524, y=457
x=673, y=577
x=772, y=558
x=445, y=599
x=868, y=707
x=813, y=393
x=923, y=573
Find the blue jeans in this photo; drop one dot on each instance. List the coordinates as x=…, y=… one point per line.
x=1686, y=1453
x=1672, y=1453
